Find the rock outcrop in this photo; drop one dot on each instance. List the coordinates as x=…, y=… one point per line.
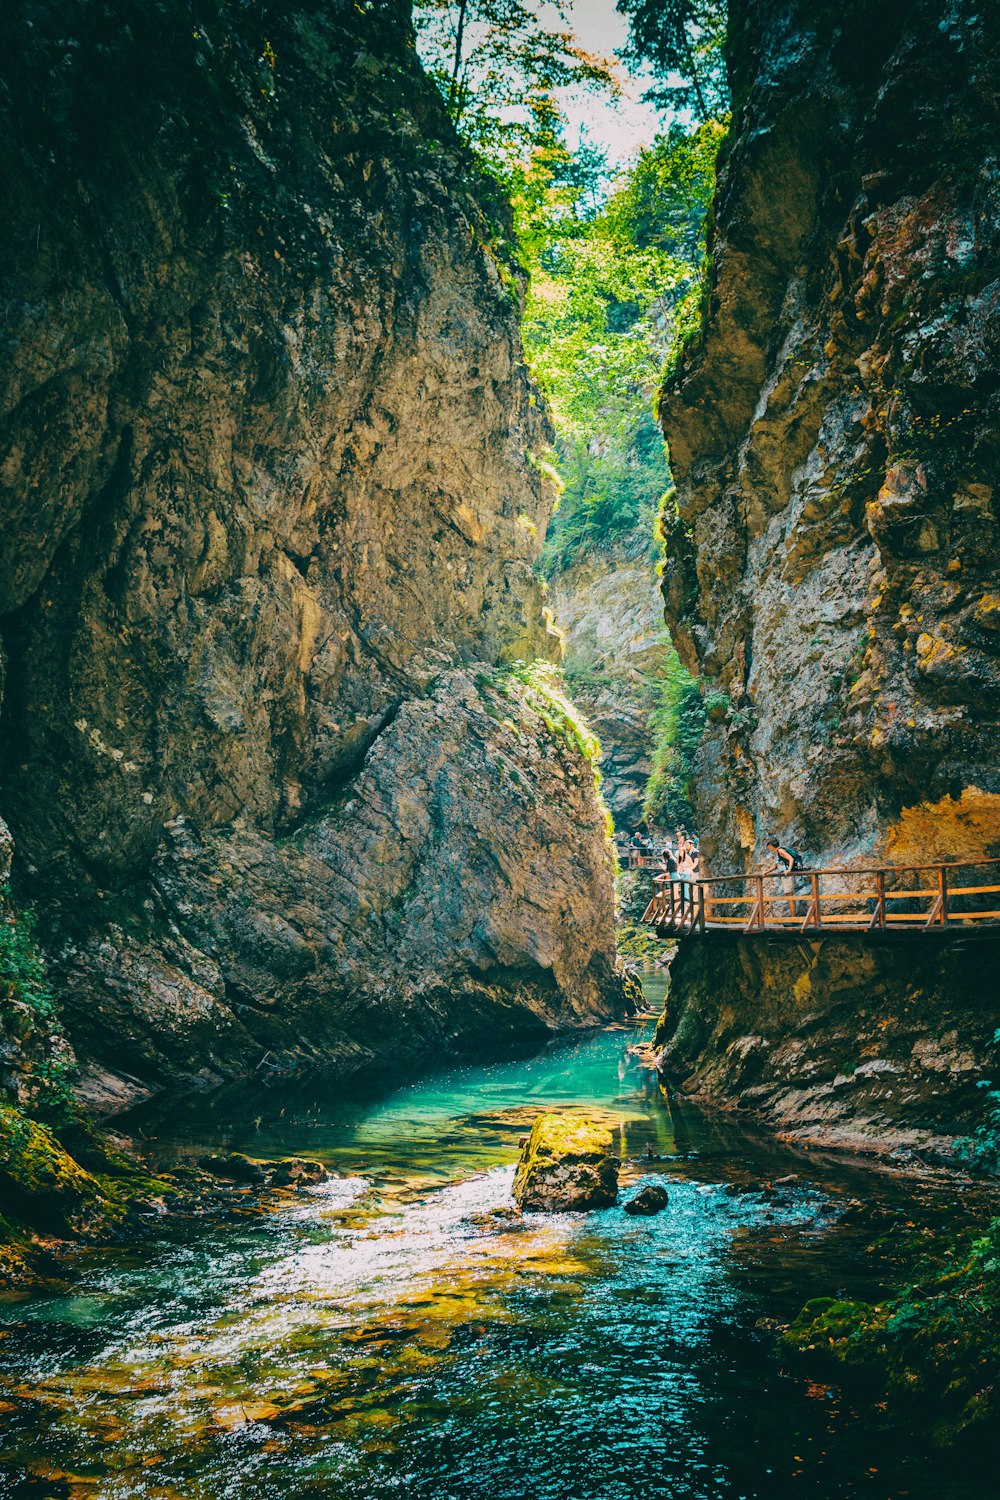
x=648, y=1201
x=832, y=566
x=609, y=608
x=452, y=896
x=567, y=1165
x=834, y=1041
x=269, y=518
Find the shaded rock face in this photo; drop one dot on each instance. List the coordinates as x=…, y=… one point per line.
x=268, y=435
x=454, y=894
x=833, y=563
x=609, y=608
x=568, y=1165
x=835, y=1041
x=835, y=441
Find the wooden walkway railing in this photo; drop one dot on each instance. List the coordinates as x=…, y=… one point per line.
x=937, y=898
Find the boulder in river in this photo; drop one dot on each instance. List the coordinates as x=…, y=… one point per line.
x=648, y=1200
x=568, y=1165
x=297, y=1171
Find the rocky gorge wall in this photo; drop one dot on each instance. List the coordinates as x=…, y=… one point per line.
x=270, y=517
x=832, y=567
x=608, y=606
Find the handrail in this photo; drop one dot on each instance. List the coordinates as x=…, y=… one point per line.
x=957, y=864
x=685, y=904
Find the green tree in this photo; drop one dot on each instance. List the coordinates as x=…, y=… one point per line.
x=609, y=295
x=677, y=724
x=683, y=41
x=495, y=63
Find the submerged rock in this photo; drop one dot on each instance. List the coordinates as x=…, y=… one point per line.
x=649, y=1200
x=236, y=1167
x=297, y=1171
x=568, y=1165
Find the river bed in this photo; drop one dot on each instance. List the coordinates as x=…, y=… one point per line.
x=398, y=1331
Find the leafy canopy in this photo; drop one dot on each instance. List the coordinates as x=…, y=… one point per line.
x=683, y=41
x=608, y=296
x=496, y=64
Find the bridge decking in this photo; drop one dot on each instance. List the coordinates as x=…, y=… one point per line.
x=901, y=900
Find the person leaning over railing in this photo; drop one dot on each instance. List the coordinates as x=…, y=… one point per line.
x=786, y=862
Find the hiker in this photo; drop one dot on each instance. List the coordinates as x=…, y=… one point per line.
x=669, y=877
x=786, y=861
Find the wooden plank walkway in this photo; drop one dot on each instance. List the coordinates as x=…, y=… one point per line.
x=897, y=899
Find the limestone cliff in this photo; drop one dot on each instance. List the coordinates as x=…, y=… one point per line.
x=833, y=563
x=608, y=605
x=267, y=482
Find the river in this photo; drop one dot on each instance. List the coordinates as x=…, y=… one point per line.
x=399, y=1332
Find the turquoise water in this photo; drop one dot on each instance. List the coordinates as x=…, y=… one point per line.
x=399, y=1332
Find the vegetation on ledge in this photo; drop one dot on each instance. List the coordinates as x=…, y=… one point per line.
x=934, y=1347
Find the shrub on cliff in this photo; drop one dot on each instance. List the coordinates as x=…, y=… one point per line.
x=29, y=1025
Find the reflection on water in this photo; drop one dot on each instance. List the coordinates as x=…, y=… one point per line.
x=400, y=1331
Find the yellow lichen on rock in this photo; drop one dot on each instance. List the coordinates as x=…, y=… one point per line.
x=966, y=827
x=568, y=1164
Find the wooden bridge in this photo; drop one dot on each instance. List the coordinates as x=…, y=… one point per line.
x=896, y=899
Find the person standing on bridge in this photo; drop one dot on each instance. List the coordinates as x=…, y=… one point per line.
x=786, y=861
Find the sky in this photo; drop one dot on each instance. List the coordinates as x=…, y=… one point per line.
x=619, y=126
x=620, y=129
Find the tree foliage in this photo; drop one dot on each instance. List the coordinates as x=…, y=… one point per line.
x=615, y=269
x=496, y=64
x=677, y=724
x=683, y=42
x=608, y=297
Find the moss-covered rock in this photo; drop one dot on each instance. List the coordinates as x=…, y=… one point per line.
x=43, y=1186
x=567, y=1164
x=934, y=1347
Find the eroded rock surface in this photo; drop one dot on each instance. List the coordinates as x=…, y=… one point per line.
x=834, y=563
x=833, y=1041
x=452, y=895
x=610, y=609
x=268, y=481
x=568, y=1165
x=833, y=566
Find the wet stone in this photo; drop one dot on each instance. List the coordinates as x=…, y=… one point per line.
x=567, y=1165
x=296, y=1171
x=649, y=1200
x=236, y=1167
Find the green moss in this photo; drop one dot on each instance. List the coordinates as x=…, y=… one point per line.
x=934, y=1346
x=48, y=1189
x=568, y=1162
x=539, y=685
x=690, y=321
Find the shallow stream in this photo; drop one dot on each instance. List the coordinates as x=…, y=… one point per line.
x=399, y=1332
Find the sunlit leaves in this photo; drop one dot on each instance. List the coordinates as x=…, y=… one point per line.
x=683, y=42
x=496, y=64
